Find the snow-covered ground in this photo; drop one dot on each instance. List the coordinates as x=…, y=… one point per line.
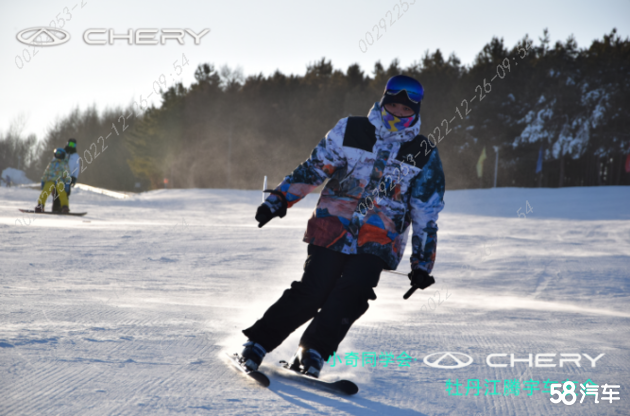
x=130, y=309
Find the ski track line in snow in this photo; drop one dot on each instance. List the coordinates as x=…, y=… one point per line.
x=544, y=278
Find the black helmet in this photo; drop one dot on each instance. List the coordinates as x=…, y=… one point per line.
x=71, y=147
x=59, y=153
x=403, y=90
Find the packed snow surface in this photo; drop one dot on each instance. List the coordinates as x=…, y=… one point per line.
x=130, y=309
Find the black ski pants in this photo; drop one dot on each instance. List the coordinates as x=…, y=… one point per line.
x=56, y=202
x=334, y=292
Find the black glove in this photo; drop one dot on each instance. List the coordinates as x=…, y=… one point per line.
x=73, y=181
x=264, y=214
x=420, y=279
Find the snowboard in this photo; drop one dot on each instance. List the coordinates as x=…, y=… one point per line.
x=339, y=386
x=30, y=211
x=259, y=377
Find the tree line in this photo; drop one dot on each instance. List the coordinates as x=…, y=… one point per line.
x=569, y=104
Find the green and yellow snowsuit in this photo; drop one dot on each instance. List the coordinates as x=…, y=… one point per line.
x=56, y=176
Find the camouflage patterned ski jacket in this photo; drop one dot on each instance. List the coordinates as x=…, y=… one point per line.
x=57, y=170
x=380, y=183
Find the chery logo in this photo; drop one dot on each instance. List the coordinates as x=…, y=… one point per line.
x=108, y=36
x=29, y=36
x=501, y=359
x=452, y=355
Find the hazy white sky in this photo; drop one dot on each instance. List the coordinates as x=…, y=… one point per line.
x=259, y=36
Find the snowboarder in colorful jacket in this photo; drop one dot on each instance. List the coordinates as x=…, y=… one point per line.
x=383, y=177
x=73, y=163
x=55, y=178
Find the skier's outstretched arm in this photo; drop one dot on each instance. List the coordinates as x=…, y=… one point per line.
x=324, y=161
x=426, y=202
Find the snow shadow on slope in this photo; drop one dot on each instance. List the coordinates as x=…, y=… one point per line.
x=353, y=405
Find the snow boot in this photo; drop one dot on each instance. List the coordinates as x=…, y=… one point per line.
x=65, y=209
x=309, y=362
x=39, y=208
x=252, y=355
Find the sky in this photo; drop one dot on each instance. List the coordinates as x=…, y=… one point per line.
x=41, y=85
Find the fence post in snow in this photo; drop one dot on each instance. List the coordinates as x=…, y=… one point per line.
x=496, y=165
x=264, y=187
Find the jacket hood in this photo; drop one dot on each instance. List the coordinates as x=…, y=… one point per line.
x=403, y=135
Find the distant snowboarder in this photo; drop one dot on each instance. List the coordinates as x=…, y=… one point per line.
x=383, y=177
x=55, y=178
x=73, y=168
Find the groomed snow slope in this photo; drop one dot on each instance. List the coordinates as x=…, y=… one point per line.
x=129, y=310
